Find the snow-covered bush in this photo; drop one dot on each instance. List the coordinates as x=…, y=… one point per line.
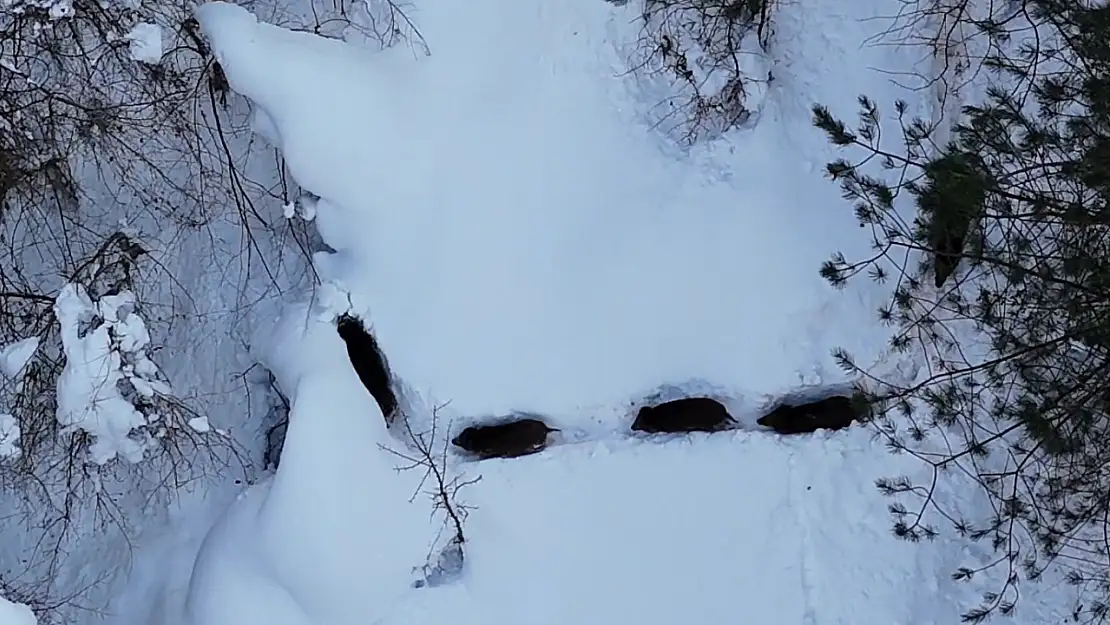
x=384, y=23
x=115, y=128
x=109, y=388
x=99, y=98
x=72, y=460
x=713, y=53
x=994, y=226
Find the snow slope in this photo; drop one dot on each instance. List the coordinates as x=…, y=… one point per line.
x=522, y=239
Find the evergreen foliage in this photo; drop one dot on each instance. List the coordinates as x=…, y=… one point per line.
x=1010, y=220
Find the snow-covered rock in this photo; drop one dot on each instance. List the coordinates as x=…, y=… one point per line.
x=145, y=42
x=15, y=356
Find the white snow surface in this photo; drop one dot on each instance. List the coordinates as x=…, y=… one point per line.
x=15, y=613
x=325, y=540
x=522, y=241
x=657, y=530
x=200, y=424
x=15, y=356
x=145, y=42
x=9, y=436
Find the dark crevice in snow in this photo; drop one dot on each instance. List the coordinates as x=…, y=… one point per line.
x=369, y=363
x=275, y=442
x=275, y=421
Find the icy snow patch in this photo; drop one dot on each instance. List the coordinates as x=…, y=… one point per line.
x=145, y=42
x=15, y=356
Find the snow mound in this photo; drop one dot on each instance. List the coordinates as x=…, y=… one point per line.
x=15, y=356
x=145, y=42
x=520, y=240
x=333, y=536
x=15, y=614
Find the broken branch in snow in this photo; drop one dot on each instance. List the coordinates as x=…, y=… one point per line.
x=430, y=453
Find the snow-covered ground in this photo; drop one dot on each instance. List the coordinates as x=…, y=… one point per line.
x=15, y=614
x=701, y=528
x=522, y=238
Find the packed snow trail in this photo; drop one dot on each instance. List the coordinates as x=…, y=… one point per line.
x=521, y=240
x=697, y=528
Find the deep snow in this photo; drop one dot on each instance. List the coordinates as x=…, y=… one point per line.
x=521, y=238
x=15, y=613
x=540, y=249
x=654, y=530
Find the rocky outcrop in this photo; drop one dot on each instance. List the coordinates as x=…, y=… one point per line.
x=504, y=440
x=831, y=413
x=691, y=414
x=369, y=364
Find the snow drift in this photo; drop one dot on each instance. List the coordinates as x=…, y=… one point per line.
x=521, y=240
x=333, y=535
